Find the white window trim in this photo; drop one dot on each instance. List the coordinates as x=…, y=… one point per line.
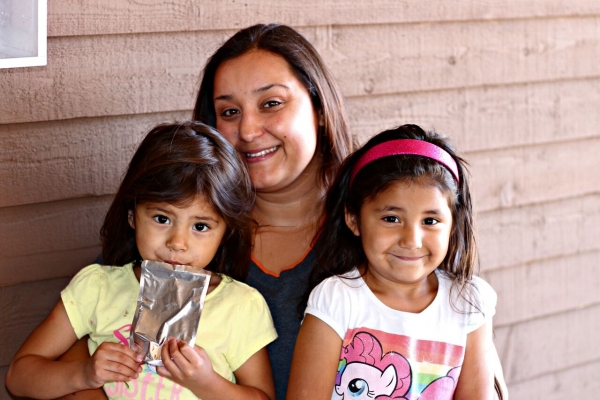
x=42, y=57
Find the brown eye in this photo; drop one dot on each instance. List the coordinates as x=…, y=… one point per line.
x=271, y=103
x=161, y=219
x=229, y=112
x=201, y=227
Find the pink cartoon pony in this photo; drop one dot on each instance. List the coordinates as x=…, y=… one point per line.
x=364, y=372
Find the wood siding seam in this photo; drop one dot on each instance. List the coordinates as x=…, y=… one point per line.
x=176, y=15
x=570, y=367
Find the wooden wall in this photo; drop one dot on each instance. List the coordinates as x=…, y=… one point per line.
x=516, y=83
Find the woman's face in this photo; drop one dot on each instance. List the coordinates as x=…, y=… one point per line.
x=266, y=113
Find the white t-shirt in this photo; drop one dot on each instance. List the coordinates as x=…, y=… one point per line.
x=394, y=353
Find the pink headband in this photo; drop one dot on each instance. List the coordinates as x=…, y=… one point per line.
x=406, y=146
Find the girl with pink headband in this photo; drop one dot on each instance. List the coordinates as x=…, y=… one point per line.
x=395, y=311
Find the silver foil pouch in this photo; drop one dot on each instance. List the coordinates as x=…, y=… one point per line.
x=170, y=303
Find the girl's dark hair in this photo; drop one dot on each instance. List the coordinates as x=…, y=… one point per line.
x=339, y=250
x=335, y=141
x=175, y=163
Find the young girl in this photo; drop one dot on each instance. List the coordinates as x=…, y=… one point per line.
x=185, y=199
x=396, y=312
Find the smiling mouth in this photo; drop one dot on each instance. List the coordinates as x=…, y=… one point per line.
x=406, y=258
x=261, y=153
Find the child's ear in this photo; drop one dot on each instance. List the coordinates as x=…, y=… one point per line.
x=131, y=219
x=351, y=222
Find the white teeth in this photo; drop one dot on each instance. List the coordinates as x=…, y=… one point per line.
x=262, y=153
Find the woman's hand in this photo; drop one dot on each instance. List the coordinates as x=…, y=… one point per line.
x=79, y=351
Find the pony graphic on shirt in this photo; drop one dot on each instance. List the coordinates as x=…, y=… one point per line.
x=364, y=372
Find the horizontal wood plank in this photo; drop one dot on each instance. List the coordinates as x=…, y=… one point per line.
x=487, y=118
x=39, y=233
x=133, y=74
x=48, y=161
x=547, y=287
x=88, y=17
x=534, y=174
x=517, y=236
x=50, y=265
x=579, y=382
x=107, y=76
x=557, y=343
x=409, y=58
x=23, y=308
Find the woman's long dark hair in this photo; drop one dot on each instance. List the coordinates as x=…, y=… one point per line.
x=175, y=163
x=335, y=141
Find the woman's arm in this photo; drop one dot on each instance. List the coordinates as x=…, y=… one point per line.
x=476, y=381
x=191, y=368
x=79, y=351
x=34, y=371
x=315, y=361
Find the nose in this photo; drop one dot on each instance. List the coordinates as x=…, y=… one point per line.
x=250, y=126
x=177, y=240
x=411, y=237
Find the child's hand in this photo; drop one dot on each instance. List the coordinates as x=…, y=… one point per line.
x=188, y=366
x=111, y=362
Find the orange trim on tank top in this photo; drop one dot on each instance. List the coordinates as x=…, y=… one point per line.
x=266, y=271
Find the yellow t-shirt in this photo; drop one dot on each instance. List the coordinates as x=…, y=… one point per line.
x=235, y=324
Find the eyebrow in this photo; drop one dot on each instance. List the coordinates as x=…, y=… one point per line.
x=196, y=217
x=199, y=218
x=261, y=89
x=395, y=208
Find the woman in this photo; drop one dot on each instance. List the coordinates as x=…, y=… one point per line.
x=268, y=92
